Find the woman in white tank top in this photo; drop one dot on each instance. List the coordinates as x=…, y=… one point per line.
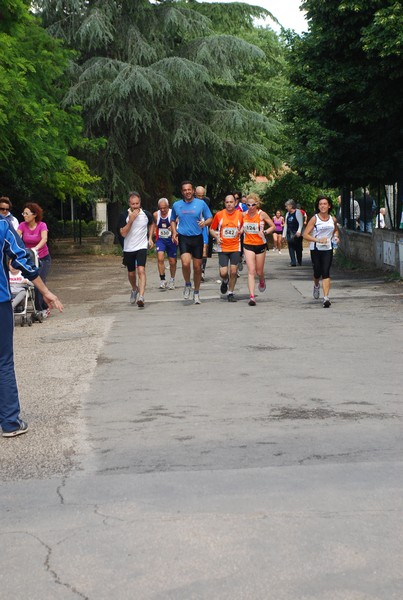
x=320, y=232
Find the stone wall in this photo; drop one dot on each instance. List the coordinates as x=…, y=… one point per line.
x=383, y=248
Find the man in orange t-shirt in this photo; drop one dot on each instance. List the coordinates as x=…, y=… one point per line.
x=226, y=229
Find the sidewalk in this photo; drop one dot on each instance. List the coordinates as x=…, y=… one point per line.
x=215, y=451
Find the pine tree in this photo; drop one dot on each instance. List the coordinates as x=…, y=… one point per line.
x=150, y=78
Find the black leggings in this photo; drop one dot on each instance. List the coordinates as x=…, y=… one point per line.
x=321, y=262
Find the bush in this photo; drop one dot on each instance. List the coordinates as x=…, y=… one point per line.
x=88, y=229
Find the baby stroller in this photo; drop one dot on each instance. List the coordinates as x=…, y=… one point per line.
x=23, y=302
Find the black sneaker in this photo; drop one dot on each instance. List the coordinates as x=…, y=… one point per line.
x=231, y=298
x=23, y=428
x=224, y=286
x=326, y=303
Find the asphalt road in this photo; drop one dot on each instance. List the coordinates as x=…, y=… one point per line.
x=215, y=451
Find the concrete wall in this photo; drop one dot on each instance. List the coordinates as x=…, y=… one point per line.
x=383, y=248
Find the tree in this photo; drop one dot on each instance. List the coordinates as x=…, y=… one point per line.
x=151, y=78
x=348, y=82
x=36, y=133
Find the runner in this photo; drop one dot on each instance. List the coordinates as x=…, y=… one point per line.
x=226, y=229
x=200, y=193
x=193, y=215
x=243, y=208
x=278, y=221
x=135, y=226
x=255, y=244
x=320, y=232
x=163, y=243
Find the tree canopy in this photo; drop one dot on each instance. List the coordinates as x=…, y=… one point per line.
x=36, y=132
x=347, y=76
x=163, y=83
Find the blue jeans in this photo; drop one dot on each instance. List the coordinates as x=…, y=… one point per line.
x=44, y=267
x=366, y=226
x=9, y=401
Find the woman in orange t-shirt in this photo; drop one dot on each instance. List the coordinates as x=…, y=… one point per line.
x=255, y=244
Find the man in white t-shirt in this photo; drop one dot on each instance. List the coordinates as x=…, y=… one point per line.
x=134, y=227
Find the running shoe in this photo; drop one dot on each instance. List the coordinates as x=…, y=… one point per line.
x=326, y=303
x=196, y=298
x=231, y=298
x=163, y=284
x=46, y=313
x=240, y=266
x=186, y=292
x=140, y=302
x=224, y=286
x=171, y=285
x=316, y=291
x=279, y=251
x=262, y=286
x=133, y=296
x=252, y=301
x=23, y=428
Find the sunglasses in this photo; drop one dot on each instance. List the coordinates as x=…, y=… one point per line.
x=250, y=205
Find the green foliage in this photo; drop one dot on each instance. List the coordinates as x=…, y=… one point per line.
x=170, y=88
x=62, y=229
x=347, y=75
x=36, y=132
x=288, y=186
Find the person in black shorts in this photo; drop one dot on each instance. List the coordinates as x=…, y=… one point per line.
x=193, y=215
x=135, y=227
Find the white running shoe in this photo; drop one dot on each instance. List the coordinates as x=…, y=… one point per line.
x=171, y=284
x=316, y=292
x=196, y=298
x=163, y=284
x=186, y=292
x=279, y=251
x=133, y=296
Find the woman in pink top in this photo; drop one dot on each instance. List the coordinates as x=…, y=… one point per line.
x=34, y=233
x=278, y=221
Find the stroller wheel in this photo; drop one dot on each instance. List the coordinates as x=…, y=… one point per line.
x=22, y=323
x=29, y=321
x=39, y=317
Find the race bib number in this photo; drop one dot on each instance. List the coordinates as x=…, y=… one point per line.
x=326, y=246
x=229, y=232
x=164, y=233
x=251, y=227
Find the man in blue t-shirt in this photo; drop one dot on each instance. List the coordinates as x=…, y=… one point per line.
x=192, y=215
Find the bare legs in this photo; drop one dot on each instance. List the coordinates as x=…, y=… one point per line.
x=186, y=259
x=255, y=264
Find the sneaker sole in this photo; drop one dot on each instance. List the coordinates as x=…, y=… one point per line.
x=140, y=303
x=10, y=434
